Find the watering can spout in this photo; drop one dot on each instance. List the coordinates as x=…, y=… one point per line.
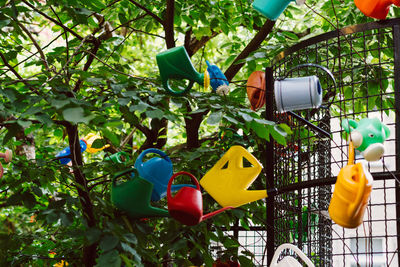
x=228, y=186
x=212, y=214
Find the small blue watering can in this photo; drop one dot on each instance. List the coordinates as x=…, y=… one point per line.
x=67, y=152
x=272, y=9
x=157, y=171
x=219, y=83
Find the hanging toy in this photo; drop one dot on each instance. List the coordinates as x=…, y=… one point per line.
x=134, y=196
x=352, y=190
x=228, y=186
x=119, y=157
x=158, y=171
x=64, y=155
x=90, y=138
x=176, y=64
x=272, y=9
x=377, y=9
x=7, y=156
x=289, y=261
x=218, y=81
x=368, y=136
x=256, y=90
x=187, y=205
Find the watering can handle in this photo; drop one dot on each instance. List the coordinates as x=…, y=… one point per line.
x=295, y=249
x=359, y=197
x=175, y=92
x=169, y=196
x=155, y=151
x=121, y=173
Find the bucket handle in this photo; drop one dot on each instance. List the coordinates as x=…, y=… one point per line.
x=177, y=92
x=194, y=180
x=151, y=150
x=121, y=173
x=295, y=249
x=353, y=207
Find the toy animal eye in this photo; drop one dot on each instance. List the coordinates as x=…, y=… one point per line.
x=371, y=135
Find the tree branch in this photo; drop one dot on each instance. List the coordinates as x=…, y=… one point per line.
x=157, y=18
x=254, y=44
x=53, y=20
x=169, y=24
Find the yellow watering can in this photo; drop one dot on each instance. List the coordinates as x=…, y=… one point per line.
x=350, y=197
x=228, y=186
x=90, y=138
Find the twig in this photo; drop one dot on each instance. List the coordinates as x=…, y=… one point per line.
x=157, y=18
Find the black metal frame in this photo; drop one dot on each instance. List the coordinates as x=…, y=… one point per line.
x=316, y=160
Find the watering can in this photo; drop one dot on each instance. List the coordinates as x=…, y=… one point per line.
x=256, y=89
x=218, y=81
x=272, y=9
x=176, y=64
x=63, y=155
x=377, y=9
x=290, y=261
x=187, y=205
x=7, y=156
x=158, y=171
x=90, y=138
x=350, y=197
x=134, y=196
x=228, y=186
x=119, y=157
x=298, y=93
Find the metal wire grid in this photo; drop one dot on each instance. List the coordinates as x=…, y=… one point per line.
x=363, y=64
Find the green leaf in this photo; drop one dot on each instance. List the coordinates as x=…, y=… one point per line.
x=108, y=242
x=131, y=238
x=109, y=259
x=245, y=262
x=111, y=136
x=93, y=235
x=214, y=118
x=155, y=114
x=76, y=115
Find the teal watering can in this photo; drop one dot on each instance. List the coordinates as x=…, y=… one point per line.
x=134, y=196
x=272, y=9
x=158, y=171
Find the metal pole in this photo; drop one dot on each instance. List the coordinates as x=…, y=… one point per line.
x=269, y=165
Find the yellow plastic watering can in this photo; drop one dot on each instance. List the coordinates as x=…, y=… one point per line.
x=228, y=186
x=350, y=197
x=90, y=138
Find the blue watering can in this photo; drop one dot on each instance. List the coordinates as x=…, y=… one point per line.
x=272, y=9
x=157, y=171
x=67, y=152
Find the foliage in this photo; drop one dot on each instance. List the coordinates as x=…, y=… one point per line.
x=72, y=67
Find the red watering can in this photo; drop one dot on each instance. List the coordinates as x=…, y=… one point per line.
x=187, y=205
x=377, y=9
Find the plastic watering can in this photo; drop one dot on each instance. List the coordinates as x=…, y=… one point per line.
x=176, y=64
x=90, y=138
x=219, y=83
x=256, y=89
x=272, y=9
x=134, y=196
x=187, y=205
x=377, y=9
x=119, y=157
x=67, y=152
x=350, y=197
x=158, y=171
x=228, y=186
x=7, y=156
x=290, y=261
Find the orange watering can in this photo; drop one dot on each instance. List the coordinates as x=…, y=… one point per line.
x=228, y=186
x=187, y=205
x=377, y=9
x=256, y=89
x=350, y=197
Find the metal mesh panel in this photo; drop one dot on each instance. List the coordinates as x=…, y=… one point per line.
x=364, y=60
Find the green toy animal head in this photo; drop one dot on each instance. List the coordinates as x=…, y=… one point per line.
x=367, y=136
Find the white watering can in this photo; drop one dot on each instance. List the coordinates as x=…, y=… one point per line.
x=289, y=261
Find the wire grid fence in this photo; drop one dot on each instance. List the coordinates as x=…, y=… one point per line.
x=364, y=60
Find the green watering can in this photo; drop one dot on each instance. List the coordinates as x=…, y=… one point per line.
x=134, y=196
x=119, y=157
x=175, y=64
